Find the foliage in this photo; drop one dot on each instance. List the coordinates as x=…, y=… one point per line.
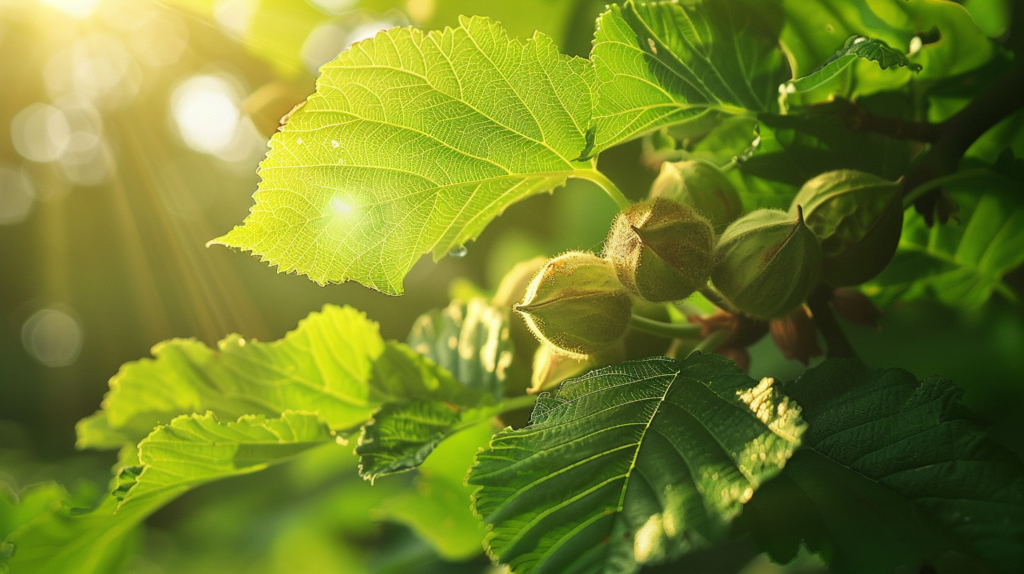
x=415, y=141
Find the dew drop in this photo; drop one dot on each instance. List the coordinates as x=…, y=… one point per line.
x=334, y=143
x=299, y=141
x=341, y=161
x=7, y=550
x=458, y=251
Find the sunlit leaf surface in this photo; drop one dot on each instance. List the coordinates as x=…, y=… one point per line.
x=335, y=364
x=632, y=464
x=412, y=144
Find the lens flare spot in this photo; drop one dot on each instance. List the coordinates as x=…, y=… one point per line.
x=53, y=337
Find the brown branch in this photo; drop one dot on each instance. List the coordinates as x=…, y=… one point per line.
x=839, y=346
x=959, y=132
x=859, y=119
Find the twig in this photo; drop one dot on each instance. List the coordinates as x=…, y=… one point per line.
x=959, y=132
x=859, y=119
x=839, y=346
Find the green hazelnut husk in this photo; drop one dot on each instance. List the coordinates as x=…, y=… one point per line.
x=576, y=305
x=767, y=262
x=702, y=186
x=661, y=250
x=858, y=217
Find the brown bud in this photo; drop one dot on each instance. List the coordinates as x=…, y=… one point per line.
x=855, y=307
x=577, y=305
x=661, y=250
x=796, y=335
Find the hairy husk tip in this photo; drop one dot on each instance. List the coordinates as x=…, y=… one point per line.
x=661, y=250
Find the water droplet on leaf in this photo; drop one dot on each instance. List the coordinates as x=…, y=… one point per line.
x=458, y=251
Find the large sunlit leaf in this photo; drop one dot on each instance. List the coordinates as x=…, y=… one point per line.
x=632, y=464
x=412, y=144
x=893, y=472
x=685, y=64
x=335, y=364
x=960, y=265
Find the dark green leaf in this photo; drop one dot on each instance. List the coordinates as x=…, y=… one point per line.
x=961, y=265
x=894, y=472
x=631, y=464
x=437, y=507
x=794, y=148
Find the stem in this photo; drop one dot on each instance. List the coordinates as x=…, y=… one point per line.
x=516, y=403
x=607, y=185
x=711, y=343
x=669, y=330
x=838, y=345
x=859, y=119
x=913, y=195
x=711, y=294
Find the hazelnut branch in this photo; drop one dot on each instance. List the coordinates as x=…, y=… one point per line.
x=839, y=346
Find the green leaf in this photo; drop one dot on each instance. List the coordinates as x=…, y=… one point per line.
x=688, y=65
x=961, y=265
x=412, y=144
x=401, y=435
x=324, y=365
x=894, y=472
x=335, y=364
x=437, y=507
x=196, y=449
x=815, y=28
x=66, y=539
x=631, y=464
x=471, y=340
x=190, y=451
x=795, y=148
x=855, y=48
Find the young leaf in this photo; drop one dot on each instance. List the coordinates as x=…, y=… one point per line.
x=631, y=464
x=192, y=450
x=961, y=265
x=335, y=364
x=413, y=143
x=196, y=449
x=471, y=340
x=324, y=365
x=814, y=28
x=683, y=64
x=855, y=48
x=894, y=472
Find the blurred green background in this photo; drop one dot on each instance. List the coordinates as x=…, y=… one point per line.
x=131, y=133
